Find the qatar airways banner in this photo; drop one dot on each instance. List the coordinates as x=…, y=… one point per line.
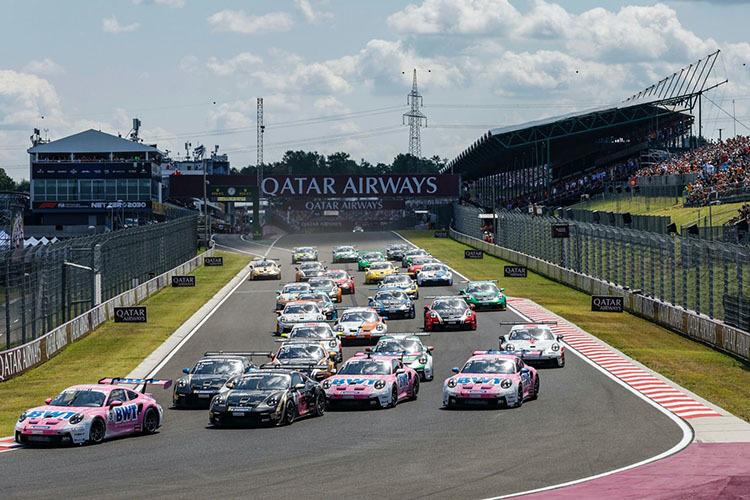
x=310, y=205
x=397, y=185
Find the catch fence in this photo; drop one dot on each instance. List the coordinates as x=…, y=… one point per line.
x=42, y=287
x=711, y=278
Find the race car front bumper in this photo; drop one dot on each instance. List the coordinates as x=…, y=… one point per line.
x=60, y=434
x=244, y=415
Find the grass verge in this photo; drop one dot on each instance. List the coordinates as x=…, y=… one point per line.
x=114, y=349
x=717, y=377
x=680, y=215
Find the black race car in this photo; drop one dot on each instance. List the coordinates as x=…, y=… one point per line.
x=209, y=375
x=396, y=251
x=268, y=396
x=392, y=302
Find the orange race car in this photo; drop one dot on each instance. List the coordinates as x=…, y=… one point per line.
x=360, y=323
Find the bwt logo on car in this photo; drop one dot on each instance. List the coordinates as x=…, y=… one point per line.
x=354, y=381
x=122, y=414
x=479, y=380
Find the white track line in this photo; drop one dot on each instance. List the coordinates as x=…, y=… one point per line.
x=203, y=321
x=687, y=431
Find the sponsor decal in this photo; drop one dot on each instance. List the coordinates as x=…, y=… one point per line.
x=354, y=381
x=360, y=185
x=92, y=205
x=514, y=271
x=131, y=314
x=213, y=261
x=180, y=281
x=21, y=358
x=120, y=414
x=479, y=380
x=56, y=340
x=560, y=230
x=344, y=205
x=473, y=254
x=441, y=234
x=607, y=303
x=60, y=415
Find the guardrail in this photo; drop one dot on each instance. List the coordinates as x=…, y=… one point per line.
x=697, y=326
x=14, y=362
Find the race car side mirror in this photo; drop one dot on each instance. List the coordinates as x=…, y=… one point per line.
x=48, y=400
x=333, y=371
x=455, y=369
x=461, y=292
x=285, y=335
x=400, y=371
x=114, y=403
x=560, y=337
x=472, y=306
x=230, y=385
x=502, y=289
x=296, y=268
x=186, y=370
x=278, y=292
x=369, y=298
x=426, y=307
x=430, y=348
x=524, y=370
x=299, y=387
x=502, y=339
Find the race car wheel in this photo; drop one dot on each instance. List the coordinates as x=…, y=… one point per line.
x=320, y=404
x=150, y=421
x=535, y=394
x=288, y=417
x=415, y=389
x=561, y=361
x=519, y=403
x=412, y=313
x=450, y=282
x=394, y=397
x=416, y=296
x=97, y=431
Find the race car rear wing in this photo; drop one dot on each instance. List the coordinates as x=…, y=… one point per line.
x=238, y=353
x=165, y=383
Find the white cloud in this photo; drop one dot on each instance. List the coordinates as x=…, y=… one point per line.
x=44, y=67
x=313, y=78
x=236, y=21
x=24, y=98
x=189, y=63
x=174, y=4
x=243, y=62
x=112, y=25
x=310, y=14
x=466, y=17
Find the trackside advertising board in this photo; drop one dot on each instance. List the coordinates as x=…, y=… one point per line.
x=180, y=281
x=330, y=186
x=213, y=261
x=607, y=303
x=131, y=314
x=473, y=254
x=514, y=271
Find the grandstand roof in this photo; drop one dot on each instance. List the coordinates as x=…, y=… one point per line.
x=92, y=141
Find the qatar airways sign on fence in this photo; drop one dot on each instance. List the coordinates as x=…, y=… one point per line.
x=290, y=186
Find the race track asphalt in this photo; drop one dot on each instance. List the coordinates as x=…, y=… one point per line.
x=582, y=424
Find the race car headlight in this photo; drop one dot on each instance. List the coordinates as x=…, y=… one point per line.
x=379, y=327
x=273, y=399
x=380, y=384
x=433, y=315
x=332, y=343
x=506, y=383
x=452, y=383
x=339, y=328
x=423, y=360
x=76, y=419
x=22, y=417
x=326, y=384
x=181, y=383
x=555, y=347
x=509, y=347
x=321, y=317
x=218, y=401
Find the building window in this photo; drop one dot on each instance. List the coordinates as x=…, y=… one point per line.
x=111, y=187
x=144, y=189
x=39, y=193
x=122, y=189
x=132, y=189
x=85, y=189
x=97, y=186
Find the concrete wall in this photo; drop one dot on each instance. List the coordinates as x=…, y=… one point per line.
x=14, y=362
x=696, y=326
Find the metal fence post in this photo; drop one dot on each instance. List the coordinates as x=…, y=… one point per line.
x=697, y=261
x=710, y=263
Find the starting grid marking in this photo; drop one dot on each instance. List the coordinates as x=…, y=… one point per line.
x=642, y=381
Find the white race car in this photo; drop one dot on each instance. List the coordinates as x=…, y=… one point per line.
x=436, y=273
x=322, y=331
x=414, y=354
x=360, y=323
x=534, y=342
x=298, y=312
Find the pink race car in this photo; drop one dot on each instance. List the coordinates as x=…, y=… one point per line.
x=92, y=413
x=491, y=378
x=380, y=381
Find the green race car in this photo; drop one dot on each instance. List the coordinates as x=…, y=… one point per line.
x=484, y=295
x=409, y=345
x=367, y=258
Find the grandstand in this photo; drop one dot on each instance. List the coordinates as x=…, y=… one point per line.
x=558, y=159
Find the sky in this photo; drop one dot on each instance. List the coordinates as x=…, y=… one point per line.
x=334, y=74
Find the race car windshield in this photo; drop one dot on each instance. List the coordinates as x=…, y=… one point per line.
x=79, y=398
x=311, y=332
x=312, y=266
x=397, y=247
x=446, y=305
x=301, y=351
x=217, y=367
x=397, y=280
x=366, y=367
x=359, y=316
x=346, y=249
x=481, y=288
x=399, y=345
x=338, y=275
x=531, y=333
x=269, y=382
x=416, y=253
x=372, y=256
x=266, y=263
x=321, y=283
x=300, y=309
x=305, y=250
x=433, y=267
x=395, y=295
x=296, y=288
x=381, y=265
x=420, y=261
x=318, y=297
x=489, y=366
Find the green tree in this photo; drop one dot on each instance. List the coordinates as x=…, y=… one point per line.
x=342, y=163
